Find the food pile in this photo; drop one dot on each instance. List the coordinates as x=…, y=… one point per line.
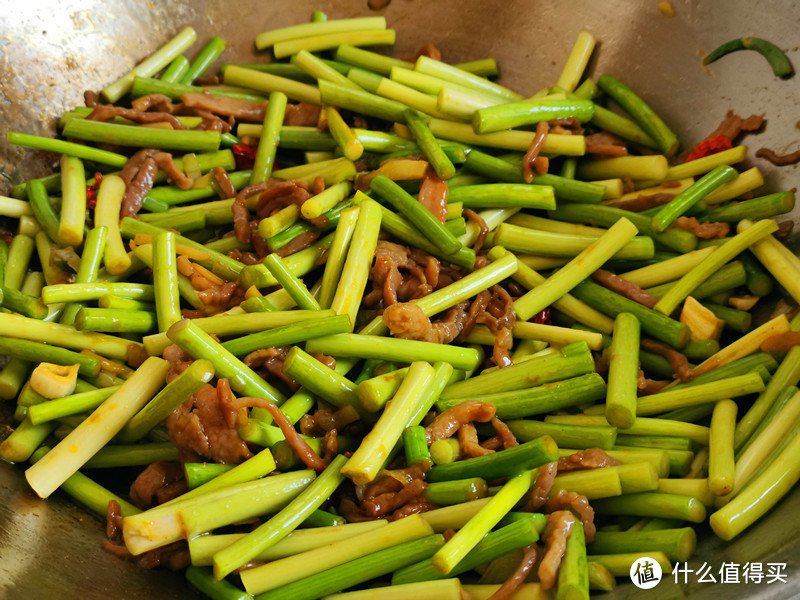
x=357, y=326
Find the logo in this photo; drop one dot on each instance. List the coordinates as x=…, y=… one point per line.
x=645, y=573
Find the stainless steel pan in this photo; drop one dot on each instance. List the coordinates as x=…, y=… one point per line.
x=51, y=51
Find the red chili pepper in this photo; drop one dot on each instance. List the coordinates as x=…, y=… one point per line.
x=91, y=191
x=542, y=317
x=710, y=146
x=245, y=156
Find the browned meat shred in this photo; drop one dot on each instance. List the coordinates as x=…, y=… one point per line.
x=407, y=321
x=517, y=578
x=705, y=231
x=482, y=227
x=245, y=110
x=559, y=526
x=446, y=424
x=468, y=440
x=732, y=126
x=226, y=189
x=377, y=4
x=271, y=359
x=429, y=50
x=433, y=194
x=139, y=174
x=605, y=145
x=159, y=101
x=301, y=114
x=420, y=504
x=593, y=458
x=505, y=434
x=531, y=156
x=779, y=160
x=199, y=427
x=568, y=126
x=577, y=503
x=300, y=447
x=643, y=202
x=383, y=504
x=158, y=483
x=391, y=285
x=624, y=288
x=679, y=363
x=537, y=497
x=106, y=112
x=166, y=164
x=646, y=386
x=91, y=98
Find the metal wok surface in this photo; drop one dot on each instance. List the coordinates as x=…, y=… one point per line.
x=50, y=51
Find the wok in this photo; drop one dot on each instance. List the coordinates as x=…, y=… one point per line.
x=51, y=51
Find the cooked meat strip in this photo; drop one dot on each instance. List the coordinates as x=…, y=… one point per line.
x=280, y=193
x=420, y=504
x=106, y=112
x=271, y=359
x=407, y=321
x=383, y=504
x=352, y=512
x=241, y=219
x=300, y=242
x=508, y=439
x=577, y=503
x=476, y=309
x=226, y=189
x=166, y=164
x=679, y=363
x=199, y=427
x=91, y=98
x=705, y=231
x=643, y=202
x=158, y=483
x=624, y=288
x=517, y=578
x=329, y=420
x=433, y=194
x=593, y=458
x=113, y=520
x=537, y=497
x=160, y=102
x=301, y=115
x=731, y=127
x=446, y=424
x=779, y=160
x=139, y=174
x=245, y=110
x=482, y=228
x=390, y=284
x=493, y=443
x=501, y=355
x=568, y=126
x=558, y=529
x=605, y=145
x=429, y=50
x=468, y=440
x=647, y=386
x=533, y=151
x=217, y=298
x=303, y=451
